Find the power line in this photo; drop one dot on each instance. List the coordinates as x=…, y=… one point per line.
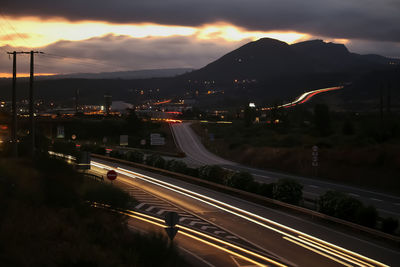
x=8, y=36
x=12, y=27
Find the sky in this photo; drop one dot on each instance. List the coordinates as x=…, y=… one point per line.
x=119, y=35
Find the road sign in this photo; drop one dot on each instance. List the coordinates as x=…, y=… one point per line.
x=156, y=139
x=123, y=140
x=111, y=175
x=171, y=232
x=314, y=155
x=60, y=131
x=171, y=218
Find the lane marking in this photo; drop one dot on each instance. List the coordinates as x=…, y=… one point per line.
x=375, y=199
x=196, y=256
x=235, y=211
x=316, y=251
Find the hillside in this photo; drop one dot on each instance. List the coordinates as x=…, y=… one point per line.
x=267, y=70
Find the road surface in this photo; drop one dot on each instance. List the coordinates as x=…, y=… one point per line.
x=283, y=238
x=197, y=154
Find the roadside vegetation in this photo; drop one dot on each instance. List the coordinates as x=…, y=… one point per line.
x=290, y=191
x=357, y=149
x=47, y=220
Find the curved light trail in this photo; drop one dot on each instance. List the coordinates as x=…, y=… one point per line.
x=331, y=251
x=305, y=97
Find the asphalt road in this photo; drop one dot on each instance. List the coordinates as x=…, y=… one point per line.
x=196, y=154
x=267, y=230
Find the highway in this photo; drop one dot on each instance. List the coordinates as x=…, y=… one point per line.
x=271, y=237
x=305, y=97
x=197, y=155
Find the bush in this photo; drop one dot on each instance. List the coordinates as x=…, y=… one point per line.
x=241, y=180
x=348, y=208
x=342, y=206
x=155, y=160
x=213, y=173
x=135, y=156
x=192, y=172
x=328, y=202
x=176, y=166
x=389, y=225
x=289, y=191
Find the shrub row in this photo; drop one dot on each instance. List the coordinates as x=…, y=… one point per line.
x=333, y=203
x=345, y=207
x=286, y=190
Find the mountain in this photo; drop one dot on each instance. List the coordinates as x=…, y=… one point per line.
x=267, y=71
x=268, y=58
x=126, y=75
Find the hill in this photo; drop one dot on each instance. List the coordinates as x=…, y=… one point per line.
x=267, y=70
x=126, y=75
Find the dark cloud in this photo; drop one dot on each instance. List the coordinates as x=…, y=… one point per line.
x=361, y=19
x=118, y=53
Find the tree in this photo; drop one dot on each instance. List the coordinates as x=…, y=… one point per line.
x=241, y=180
x=155, y=160
x=289, y=191
x=135, y=156
x=340, y=205
x=176, y=166
x=322, y=119
x=213, y=173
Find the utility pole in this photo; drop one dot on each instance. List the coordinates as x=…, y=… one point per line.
x=14, y=106
x=31, y=104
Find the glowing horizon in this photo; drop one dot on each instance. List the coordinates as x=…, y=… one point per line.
x=38, y=33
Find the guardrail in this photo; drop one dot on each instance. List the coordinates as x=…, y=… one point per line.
x=257, y=198
x=149, y=151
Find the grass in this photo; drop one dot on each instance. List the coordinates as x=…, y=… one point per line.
x=46, y=221
x=357, y=159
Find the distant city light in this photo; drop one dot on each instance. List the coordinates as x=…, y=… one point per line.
x=252, y=105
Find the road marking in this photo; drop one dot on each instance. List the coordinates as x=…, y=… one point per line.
x=160, y=212
x=313, y=186
x=197, y=256
x=196, y=222
x=354, y=195
x=140, y=205
x=219, y=232
x=208, y=227
x=240, y=213
x=375, y=199
x=231, y=237
x=150, y=208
